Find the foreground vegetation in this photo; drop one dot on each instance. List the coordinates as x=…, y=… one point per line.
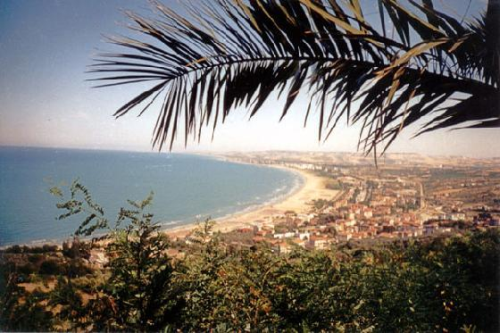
x=445, y=284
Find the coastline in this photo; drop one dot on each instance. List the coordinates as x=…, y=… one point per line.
x=309, y=187
x=312, y=187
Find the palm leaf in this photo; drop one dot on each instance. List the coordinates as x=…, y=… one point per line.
x=225, y=54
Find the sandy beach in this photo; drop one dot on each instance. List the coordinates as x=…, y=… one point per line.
x=313, y=187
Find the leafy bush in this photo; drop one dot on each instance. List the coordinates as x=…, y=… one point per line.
x=49, y=248
x=51, y=267
x=76, y=267
x=445, y=284
x=76, y=249
x=27, y=269
x=35, y=258
x=14, y=249
x=22, y=311
x=138, y=294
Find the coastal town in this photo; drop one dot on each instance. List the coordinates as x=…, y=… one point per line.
x=347, y=197
x=405, y=196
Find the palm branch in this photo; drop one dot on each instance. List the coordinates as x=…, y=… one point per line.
x=433, y=67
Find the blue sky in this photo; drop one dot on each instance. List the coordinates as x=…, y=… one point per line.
x=45, y=100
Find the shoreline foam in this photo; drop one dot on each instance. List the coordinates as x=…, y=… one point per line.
x=299, y=182
x=312, y=187
x=186, y=227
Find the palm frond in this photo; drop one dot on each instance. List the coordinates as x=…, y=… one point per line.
x=225, y=54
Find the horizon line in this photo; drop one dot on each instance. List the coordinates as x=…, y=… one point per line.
x=213, y=152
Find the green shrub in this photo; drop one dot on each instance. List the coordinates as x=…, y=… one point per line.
x=49, y=248
x=28, y=268
x=77, y=268
x=35, y=258
x=14, y=249
x=27, y=316
x=51, y=267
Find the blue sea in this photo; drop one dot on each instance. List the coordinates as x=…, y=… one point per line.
x=187, y=188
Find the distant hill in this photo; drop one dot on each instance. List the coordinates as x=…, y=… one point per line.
x=344, y=158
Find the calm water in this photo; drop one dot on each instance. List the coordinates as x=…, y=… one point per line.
x=187, y=187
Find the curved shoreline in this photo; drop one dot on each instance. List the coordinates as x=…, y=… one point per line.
x=272, y=201
x=297, y=199
x=225, y=219
x=312, y=187
x=184, y=226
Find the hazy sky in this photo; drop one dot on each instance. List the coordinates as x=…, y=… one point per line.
x=45, y=101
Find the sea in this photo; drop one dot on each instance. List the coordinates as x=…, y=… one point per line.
x=187, y=188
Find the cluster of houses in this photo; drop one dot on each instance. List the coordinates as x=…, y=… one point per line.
x=320, y=231
x=387, y=209
x=313, y=231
